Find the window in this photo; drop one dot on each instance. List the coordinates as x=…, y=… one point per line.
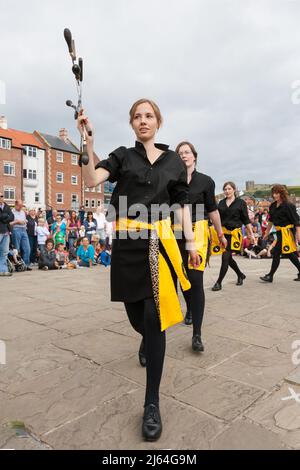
x=93, y=203
x=87, y=189
x=9, y=169
x=5, y=144
x=74, y=179
x=87, y=203
x=74, y=198
x=98, y=188
x=24, y=173
x=59, y=157
x=37, y=197
x=99, y=203
x=74, y=159
x=31, y=151
x=31, y=174
x=59, y=177
x=93, y=190
x=10, y=194
x=59, y=198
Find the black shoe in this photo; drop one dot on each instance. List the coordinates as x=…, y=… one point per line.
x=28, y=268
x=217, y=286
x=267, y=278
x=152, y=426
x=188, y=319
x=197, y=344
x=142, y=357
x=297, y=278
x=240, y=279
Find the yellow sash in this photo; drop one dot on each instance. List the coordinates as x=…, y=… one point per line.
x=236, y=238
x=215, y=246
x=166, y=298
x=288, y=240
x=201, y=233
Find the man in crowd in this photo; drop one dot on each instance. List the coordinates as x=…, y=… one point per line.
x=6, y=216
x=19, y=233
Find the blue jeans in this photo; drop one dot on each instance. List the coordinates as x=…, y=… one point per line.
x=21, y=243
x=4, y=247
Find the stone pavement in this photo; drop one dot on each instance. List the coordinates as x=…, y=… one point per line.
x=73, y=379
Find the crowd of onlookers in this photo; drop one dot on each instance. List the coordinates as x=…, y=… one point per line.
x=68, y=240
x=52, y=239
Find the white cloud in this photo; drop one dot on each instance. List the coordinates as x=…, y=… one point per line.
x=220, y=70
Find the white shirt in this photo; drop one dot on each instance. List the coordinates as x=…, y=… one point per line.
x=42, y=234
x=19, y=215
x=100, y=218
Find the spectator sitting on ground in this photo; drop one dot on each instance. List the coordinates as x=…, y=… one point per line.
x=47, y=258
x=85, y=254
x=42, y=233
x=61, y=256
x=72, y=254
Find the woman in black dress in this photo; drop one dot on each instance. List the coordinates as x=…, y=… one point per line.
x=203, y=208
x=145, y=253
x=283, y=215
x=234, y=213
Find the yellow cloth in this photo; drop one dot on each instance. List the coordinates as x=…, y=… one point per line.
x=201, y=234
x=215, y=246
x=288, y=240
x=168, y=304
x=236, y=238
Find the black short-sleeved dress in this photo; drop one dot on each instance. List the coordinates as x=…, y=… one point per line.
x=202, y=201
x=141, y=188
x=233, y=216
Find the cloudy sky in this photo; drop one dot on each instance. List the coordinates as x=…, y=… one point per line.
x=222, y=72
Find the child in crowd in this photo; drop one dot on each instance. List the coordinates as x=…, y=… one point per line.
x=42, y=233
x=47, y=259
x=82, y=231
x=61, y=256
x=59, y=236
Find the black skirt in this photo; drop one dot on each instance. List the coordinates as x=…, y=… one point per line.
x=130, y=269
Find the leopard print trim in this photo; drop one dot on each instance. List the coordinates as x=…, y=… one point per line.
x=154, y=266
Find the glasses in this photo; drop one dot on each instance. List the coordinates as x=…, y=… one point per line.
x=186, y=152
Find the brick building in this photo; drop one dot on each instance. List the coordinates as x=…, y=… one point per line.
x=11, y=166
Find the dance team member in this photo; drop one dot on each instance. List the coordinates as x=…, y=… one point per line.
x=234, y=214
x=283, y=215
x=145, y=252
x=204, y=208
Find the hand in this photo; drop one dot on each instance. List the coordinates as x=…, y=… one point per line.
x=194, y=259
x=253, y=239
x=84, y=126
x=223, y=242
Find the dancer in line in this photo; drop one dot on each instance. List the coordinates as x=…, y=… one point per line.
x=141, y=267
x=234, y=214
x=204, y=208
x=283, y=215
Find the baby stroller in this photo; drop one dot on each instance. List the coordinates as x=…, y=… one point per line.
x=15, y=262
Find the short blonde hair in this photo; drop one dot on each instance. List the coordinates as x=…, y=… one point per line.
x=152, y=104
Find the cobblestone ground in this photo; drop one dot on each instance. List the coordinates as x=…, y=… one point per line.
x=72, y=378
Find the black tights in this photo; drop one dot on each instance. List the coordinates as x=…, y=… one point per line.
x=195, y=299
x=227, y=260
x=276, y=260
x=144, y=319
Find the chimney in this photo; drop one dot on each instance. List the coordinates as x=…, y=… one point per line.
x=63, y=134
x=3, y=122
